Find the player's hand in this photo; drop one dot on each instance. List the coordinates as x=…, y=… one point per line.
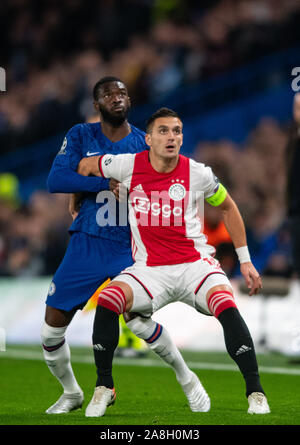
x=252, y=278
x=89, y=166
x=114, y=186
x=74, y=204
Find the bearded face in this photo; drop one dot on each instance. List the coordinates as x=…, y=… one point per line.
x=113, y=103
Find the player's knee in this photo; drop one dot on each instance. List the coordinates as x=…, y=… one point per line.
x=136, y=324
x=56, y=351
x=114, y=299
x=128, y=316
x=219, y=299
x=58, y=317
x=52, y=337
x=145, y=328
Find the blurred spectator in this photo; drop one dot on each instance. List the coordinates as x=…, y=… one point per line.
x=217, y=236
x=293, y=184
x=53, y=52
x=9, y=189
x=33, y=237
x=279, y=263
x=214, y=227
x=254, y=175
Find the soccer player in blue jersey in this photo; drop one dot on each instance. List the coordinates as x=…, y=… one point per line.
x=96, y=253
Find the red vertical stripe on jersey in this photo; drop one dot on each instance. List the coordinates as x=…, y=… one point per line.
x=160, y=214
x=133, y=248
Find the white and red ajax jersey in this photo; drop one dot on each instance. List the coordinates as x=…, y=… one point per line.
x=163, y=207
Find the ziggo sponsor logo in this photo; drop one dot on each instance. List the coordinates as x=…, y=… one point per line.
x=155, y=208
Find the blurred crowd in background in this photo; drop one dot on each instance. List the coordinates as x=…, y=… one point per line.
x=56, y=51
x=33, y=236
x=255, y=176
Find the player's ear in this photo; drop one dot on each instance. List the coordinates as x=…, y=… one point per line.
x=148, y=139
x=96, y=106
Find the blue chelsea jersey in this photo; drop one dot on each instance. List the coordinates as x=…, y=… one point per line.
x=81, y=141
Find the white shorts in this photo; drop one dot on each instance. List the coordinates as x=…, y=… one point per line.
x=156, y=286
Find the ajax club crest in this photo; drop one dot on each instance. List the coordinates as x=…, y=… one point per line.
x=177, y=192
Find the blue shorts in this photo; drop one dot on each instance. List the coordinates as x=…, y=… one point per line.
x=88, y=262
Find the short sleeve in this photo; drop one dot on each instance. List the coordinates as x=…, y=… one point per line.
x=204, y=180
x=215, y=193
x=70, y=152
x=119, y=167
x=210, y=182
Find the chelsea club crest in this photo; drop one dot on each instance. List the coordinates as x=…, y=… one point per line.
x=52, y=288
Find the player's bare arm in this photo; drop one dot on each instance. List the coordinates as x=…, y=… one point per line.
x=90, y=166
x=235, y=225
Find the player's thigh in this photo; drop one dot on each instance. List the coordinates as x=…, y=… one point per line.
x=203, y=276
x=58, y=318
x=89, y=261
x=146, y=287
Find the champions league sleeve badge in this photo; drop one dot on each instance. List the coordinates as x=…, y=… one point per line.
x=63, y=150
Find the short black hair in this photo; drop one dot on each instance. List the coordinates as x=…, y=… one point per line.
x=101, y=82
x=162, y=112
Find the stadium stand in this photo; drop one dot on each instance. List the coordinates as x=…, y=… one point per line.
x=221, y=64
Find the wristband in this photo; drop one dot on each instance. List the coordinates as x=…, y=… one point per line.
x=243, y=254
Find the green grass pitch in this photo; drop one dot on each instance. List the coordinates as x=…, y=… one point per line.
x=147, y=391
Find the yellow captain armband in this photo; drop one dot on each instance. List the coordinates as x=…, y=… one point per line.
x=217, y=199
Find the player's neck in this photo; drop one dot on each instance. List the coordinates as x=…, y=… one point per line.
x=115, y=134
x=162, y=165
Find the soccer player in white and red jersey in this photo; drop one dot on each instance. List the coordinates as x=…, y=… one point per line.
x=172, y=259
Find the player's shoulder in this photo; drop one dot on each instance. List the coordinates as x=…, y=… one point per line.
x=85, y=128
x=138, y=139
x=200, y=173
x=195, y=165
x=77, y=131
x=130, y=159
x=90, y=128
x=77, y=128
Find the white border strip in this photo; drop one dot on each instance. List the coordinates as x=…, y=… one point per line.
x=22, y=354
